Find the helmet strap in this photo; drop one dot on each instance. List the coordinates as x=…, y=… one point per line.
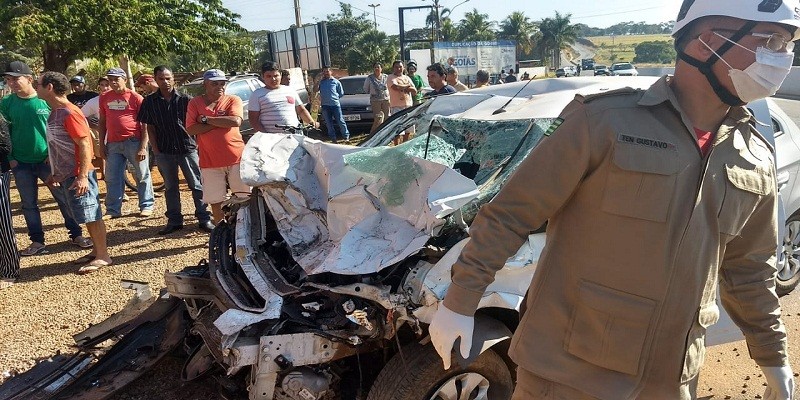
x=705, y=67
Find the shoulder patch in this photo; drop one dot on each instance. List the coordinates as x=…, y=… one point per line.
x=553, y=126
x=585, y=98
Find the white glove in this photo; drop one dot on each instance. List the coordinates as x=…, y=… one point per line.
x=446, y=327
x=780, y=383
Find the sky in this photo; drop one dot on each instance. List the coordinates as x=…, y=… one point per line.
x=279, y=14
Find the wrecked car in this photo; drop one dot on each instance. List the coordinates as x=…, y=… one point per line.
x=321, y=284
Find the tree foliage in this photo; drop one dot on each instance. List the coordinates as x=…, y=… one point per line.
x=519, y=28
x=659, y=52
x=67, y=30
x=343, y=30
x=476, y=26
x=371, y=47
x=554, y=35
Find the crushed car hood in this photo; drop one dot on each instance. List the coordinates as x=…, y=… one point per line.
x=350, y=210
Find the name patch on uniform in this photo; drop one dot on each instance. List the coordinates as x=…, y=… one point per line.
x=652, y=143
x=556, y=123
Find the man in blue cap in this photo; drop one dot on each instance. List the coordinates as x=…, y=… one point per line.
x=123, y=139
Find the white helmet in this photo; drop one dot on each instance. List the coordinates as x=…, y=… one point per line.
x=785, y=12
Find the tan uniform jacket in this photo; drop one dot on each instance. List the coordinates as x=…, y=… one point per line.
x=641, y=228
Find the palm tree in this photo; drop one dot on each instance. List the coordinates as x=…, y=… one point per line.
x=518, y=27
x=370, y=47
x=430, y=21
x=476, y=26
x=554, y=35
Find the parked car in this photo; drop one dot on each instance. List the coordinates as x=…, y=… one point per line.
x=355, y=103
x=322, y=284
x=566, y=71
x=601, y=70
x=623, y=69
x=242, y=86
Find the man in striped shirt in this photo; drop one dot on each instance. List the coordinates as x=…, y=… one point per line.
x=164, y=115
x=275, y=104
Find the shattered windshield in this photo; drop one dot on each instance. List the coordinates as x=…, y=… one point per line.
x=484, y=151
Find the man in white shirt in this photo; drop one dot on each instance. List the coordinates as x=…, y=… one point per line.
x=275, y=104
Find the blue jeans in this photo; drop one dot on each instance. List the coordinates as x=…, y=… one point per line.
x=26, y=177
x=334, y=114
x=117, y=156
x=189, y=164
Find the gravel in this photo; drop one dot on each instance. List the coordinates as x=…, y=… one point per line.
x=50, y=302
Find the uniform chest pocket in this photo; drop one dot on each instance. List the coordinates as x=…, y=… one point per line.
x=641, y=183
x=743, y=189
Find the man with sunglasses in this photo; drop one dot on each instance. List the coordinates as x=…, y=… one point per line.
x=671, y=192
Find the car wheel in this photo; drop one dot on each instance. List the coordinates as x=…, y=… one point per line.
x=416, y=373
x=789, y=260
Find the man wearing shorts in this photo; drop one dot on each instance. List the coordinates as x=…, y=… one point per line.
x=70, y=153
x=214, y=119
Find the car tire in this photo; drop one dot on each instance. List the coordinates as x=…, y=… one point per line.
x=789, y=260
x=416, y=373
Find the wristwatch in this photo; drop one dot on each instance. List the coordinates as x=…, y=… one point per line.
x=203, y=119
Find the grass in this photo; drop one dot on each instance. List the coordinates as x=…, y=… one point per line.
x=610, y=49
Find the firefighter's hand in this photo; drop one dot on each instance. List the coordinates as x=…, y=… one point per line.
x=446, y=327
x=780, y=383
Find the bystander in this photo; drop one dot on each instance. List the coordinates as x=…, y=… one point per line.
x=214, y=119
x=124, y=140
x=164, y=116
x=70, y=149
x=27, y=116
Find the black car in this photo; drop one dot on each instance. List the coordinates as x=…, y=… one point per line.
x=355, y=104
x=601, y=70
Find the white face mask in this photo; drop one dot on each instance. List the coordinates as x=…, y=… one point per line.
x=762, y=78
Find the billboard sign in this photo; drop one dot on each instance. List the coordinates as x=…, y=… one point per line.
x=469, y=57
x=305, y=47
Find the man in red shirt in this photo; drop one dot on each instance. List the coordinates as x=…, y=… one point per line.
x=123, y=140
x=214, y=119
x=69, y=146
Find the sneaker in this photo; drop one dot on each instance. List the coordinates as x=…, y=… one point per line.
x=146, y=212
x=110, y=216
x=125, y=197
x=6, y=283
x=82, y=242
x=34, y=249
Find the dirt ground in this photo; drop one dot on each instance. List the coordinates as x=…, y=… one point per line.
x=50, y=303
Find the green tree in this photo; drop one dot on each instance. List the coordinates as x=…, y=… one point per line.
x=657, y=52
x=371, y=47
x=476, y=26
x=343, y=29
x=554, y=35
x=67, y=30
x=261, y=44
x=518, y=27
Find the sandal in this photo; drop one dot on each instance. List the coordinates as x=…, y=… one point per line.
x=82, y=242
x=92, y=267
x=84, y=260
x=34, y=249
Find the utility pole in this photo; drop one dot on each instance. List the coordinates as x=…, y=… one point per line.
x=374, y=18
x=297, y=22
